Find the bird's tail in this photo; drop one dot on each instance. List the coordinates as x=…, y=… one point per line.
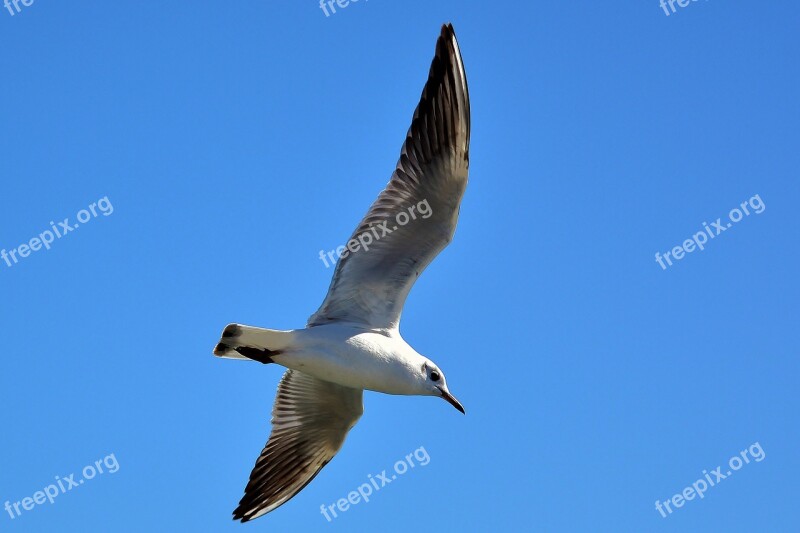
x=247, y=342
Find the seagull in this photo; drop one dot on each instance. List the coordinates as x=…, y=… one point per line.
x=353, y=343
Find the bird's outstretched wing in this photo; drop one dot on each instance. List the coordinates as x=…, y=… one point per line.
x=370, y=284
x=310, y=420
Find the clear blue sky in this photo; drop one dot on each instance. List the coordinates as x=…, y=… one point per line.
x=236, y=140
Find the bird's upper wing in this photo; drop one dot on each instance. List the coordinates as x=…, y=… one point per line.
x=310, y=420
x=371, y=284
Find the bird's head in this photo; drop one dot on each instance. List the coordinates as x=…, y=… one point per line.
x=436, y=385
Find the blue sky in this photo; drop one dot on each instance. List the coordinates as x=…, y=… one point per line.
x=235, y=141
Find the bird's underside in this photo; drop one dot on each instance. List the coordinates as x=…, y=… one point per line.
x=311, y=417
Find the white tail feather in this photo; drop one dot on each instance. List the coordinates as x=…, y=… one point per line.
x=238, y=340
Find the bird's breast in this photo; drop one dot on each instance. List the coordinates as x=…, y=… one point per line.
x=363, y=360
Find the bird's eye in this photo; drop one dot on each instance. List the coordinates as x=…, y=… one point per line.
x=435, y=375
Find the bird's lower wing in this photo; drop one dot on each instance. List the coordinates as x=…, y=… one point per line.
x=310, y=420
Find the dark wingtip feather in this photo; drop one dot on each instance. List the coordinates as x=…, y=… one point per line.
x=238, y=515
x=447, y=74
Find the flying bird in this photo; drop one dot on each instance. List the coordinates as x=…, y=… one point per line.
x=352, y=342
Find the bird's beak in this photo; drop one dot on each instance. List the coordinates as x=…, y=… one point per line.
x=451, y=400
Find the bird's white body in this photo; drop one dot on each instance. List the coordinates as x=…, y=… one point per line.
x=349, y=355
